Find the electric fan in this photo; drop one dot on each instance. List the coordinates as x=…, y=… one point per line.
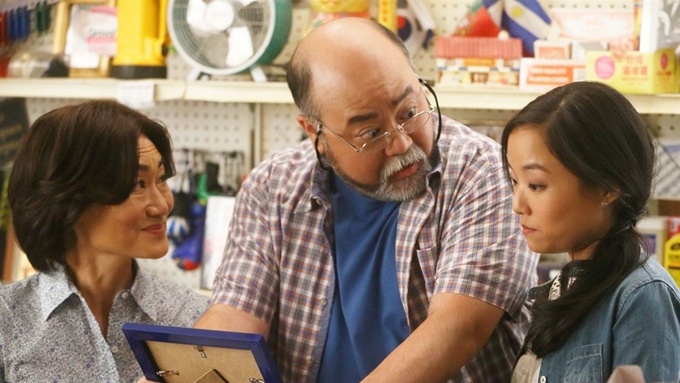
x=223, y=37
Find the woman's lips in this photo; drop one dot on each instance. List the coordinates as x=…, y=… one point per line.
x=527, y=230
x=155, y=229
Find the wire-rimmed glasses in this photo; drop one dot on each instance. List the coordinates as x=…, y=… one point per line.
x=380, y=142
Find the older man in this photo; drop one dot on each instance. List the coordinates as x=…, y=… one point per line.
x=384, y=248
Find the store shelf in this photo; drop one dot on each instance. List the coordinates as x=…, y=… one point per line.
x=482, y=98
x=83, y=88
x=511, y=99
x=239, y=91
x=656, y=103
x=277, y=93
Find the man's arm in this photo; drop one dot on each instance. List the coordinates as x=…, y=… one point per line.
x=226, y=318
x=456, y=328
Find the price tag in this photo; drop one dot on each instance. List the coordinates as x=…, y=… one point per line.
x=136, y=94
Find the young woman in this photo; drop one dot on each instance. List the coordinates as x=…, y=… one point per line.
x=581, y=162
x=88, y=195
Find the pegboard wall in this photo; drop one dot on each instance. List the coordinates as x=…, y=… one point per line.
x=222, y=126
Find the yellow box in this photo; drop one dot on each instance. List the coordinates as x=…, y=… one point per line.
x=634, y=72
x=672, y=257
x=654, y=230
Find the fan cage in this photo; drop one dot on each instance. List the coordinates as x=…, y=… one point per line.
x=197, y=51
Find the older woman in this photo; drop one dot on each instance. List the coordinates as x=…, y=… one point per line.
x=88, y=195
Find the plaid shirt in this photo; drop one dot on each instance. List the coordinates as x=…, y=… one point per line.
x=459, y=236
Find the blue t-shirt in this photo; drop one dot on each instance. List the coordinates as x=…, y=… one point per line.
x=367, y=318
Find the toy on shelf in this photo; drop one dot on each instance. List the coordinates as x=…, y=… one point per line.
x=523, y=19
x=324, y=11
x=415, y=25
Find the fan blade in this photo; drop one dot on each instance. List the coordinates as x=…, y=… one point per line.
x=240, y=46
x=247, y=2
x=214, y=49
x=220, y=15
x=196, y=10
x=253, y=16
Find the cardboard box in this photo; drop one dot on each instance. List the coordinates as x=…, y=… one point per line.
x=634, y=72
x=672, y=249
x=672, y=257
x=479, y=61
x=615, y=27
x=478, y=71
x=552, y=50
x=451, y=47
x=542, y=75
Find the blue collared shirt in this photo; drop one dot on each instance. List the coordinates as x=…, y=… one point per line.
x=48, y=333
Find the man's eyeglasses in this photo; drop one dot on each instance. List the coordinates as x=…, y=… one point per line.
x=405, y=128
x=380, y=142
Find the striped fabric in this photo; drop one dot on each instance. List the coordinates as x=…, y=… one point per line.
x=524, y=19
x=459, y=236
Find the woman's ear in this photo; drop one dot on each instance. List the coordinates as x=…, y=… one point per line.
x=611, y=196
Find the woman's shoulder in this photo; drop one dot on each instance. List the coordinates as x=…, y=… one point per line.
x=175, y=304
x=648, y=272
x=23, y=304
x=24, y=291
x=648, y=278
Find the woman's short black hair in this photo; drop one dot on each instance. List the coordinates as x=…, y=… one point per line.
x=73, y=157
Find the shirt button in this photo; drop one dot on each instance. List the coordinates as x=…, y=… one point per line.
x=310, y=362
x=114, y=349
x=324, y=301
x=125, y=295
x=543, y=379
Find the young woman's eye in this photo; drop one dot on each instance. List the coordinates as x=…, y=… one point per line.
x=535, y=187
x=513, y=182
x=140, y=184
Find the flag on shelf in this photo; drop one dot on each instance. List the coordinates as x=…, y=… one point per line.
x=524, y=19
x=481, y=20
x=527, y=20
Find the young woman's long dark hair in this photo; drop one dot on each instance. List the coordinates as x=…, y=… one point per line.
x=595, y=132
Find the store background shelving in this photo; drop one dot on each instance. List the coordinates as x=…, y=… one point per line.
x=277, y=93
x=259, y=118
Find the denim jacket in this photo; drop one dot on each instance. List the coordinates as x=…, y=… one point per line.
x=639, y=323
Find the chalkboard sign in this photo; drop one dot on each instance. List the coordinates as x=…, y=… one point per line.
x=13, y=125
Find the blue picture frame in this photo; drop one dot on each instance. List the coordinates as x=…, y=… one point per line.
x=138, y=334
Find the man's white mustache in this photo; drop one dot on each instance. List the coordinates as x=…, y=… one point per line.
x=397, y=163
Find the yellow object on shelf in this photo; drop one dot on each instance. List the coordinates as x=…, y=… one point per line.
x=635, y=72
x=672, y=257
x=387, y=14
x=323, y=11
x=142, y=36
